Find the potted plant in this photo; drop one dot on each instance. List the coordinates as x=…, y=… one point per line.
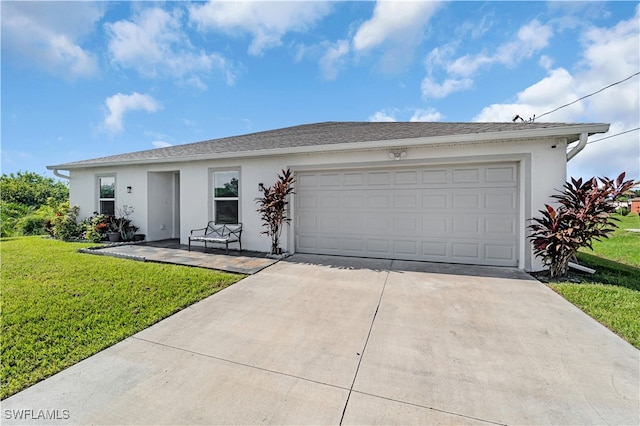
x=272, y=207
x=121, y=227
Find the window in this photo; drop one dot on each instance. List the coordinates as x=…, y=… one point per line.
x=107, y=197
x=225, y=197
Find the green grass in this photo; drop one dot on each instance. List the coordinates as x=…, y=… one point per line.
x=60, y=306
x=612, y=294
x=622, y=246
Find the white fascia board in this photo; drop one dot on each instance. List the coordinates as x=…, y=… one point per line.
x=534, y=133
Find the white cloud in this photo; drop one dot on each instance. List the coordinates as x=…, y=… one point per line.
x=161, y=144
x=334, y=59
x=426, y=115
x=398, y=21
x=119, y=104
x=397, y=27
x=431, y=89
x=266, y=22
x=49, y=33
x=155, y=45
x=382, y=116
x=530, y=38
x=387, y=115
x=609, y=55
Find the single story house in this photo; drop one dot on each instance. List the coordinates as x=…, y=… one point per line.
x=441, y=192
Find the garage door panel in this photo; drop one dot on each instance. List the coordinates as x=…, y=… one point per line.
x=435, y=224
x=435, y=177
x=406, y=200
x=452, y=214
x=378, y=201
x=328, y=242
x=406, y=224
x=501, y=174
x=309, y=222
x=466, y=225
x=434, y=249
x=467, y=201
x=405, y=178
x=497, y=201
x=329, y=201
x=306, y=181
x=465, y=250
x=353, y=245
x=435, y=201
x=353, y=179
x=406, y=248
x=329, y=222
x=466, y=175
x=499, y=252
x=378, y=246
x=500, y=226
x=379, y=178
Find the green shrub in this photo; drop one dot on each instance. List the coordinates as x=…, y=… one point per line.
x=64, y=225
x=31, y=225
x=623, y=211
x=10, y=213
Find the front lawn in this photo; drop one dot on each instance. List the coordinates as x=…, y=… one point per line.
x=60, y=306
x=612, y=294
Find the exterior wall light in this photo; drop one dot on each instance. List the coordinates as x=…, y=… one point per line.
x=129, y=190
x=398, y=155
x=261, y=187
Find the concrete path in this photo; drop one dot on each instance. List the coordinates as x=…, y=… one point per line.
x=178, y=255
x=327, y=340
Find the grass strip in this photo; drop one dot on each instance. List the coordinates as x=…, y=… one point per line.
x=611, y=295
x=60, y=306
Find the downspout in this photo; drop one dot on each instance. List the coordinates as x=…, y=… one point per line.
x=60, y=175
x=576, y=149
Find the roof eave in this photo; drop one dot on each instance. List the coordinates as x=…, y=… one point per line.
x=572, y=133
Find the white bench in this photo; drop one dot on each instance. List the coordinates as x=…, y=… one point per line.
x=217, y=234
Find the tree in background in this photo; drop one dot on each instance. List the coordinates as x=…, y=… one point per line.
x=27, y=201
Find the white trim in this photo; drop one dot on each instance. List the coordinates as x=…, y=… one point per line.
x=213, y=198
x=99, y=199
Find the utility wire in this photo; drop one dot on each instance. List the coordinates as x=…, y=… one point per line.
x=586, y=96
x=613, y=136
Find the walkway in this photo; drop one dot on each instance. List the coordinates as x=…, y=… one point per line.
x=171, y=251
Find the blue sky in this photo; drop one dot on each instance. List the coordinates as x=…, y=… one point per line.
x=88, y=79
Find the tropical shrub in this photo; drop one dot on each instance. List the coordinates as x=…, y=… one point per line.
x=623, y=211
x=272, y=207
x=584, y=215
x=10, y=213
x=63, y=224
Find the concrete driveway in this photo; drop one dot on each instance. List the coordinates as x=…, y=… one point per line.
x=327, y=340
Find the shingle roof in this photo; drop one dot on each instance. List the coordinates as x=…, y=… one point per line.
x=309, y=135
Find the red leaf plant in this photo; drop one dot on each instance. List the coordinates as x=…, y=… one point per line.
x=583, y=215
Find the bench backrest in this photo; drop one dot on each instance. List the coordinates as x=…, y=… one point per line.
x=219, y=230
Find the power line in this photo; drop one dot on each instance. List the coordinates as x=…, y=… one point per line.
x=586, y=96
x=613, y=136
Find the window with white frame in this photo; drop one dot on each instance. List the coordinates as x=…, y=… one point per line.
x=225, y=196
x=107, y=194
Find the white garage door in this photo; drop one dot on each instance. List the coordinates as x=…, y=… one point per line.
x=459, y=214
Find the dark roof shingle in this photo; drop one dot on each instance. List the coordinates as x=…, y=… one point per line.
x=306, y=135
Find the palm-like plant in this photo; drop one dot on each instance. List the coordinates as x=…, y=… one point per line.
x=272, y=207
x=584, y=215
